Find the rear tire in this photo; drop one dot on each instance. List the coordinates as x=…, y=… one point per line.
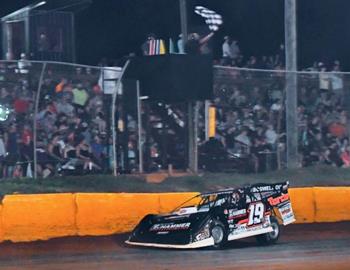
x=271, y=237
x=219, y=234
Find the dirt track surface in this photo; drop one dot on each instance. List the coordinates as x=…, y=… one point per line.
x=314, y=246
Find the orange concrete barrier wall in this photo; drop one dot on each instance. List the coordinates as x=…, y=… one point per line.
x=33, y=217
x=303, y=204
x=332, y=204
x=100, y=214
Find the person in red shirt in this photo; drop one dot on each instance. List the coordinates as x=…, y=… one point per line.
x=27, y=135
x=345, y=157
x=21, y=105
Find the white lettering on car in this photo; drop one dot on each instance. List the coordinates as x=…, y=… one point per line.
x=170, y=227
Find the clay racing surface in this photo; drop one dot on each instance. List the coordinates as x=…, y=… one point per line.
x=313, y=246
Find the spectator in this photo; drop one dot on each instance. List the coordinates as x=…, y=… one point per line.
x=2, y=153
x=230, y=51
x=80, y=96
x=332, y=156
x=180, y=45
x=54, y=150
x=252, y=63
x=60, y=87
x=64, y=107
x=345, y=157
x=100, y=123
x=5, y=97
x=243, y=138
x=23, y=64
x=98, y=149
x=195, y=43
x=336, y=80
x=227, y=54
x=324, y=78
x=271, y=136
x=84, y=154
x=11, y=145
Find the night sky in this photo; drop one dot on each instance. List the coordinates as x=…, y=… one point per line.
x=113, y=28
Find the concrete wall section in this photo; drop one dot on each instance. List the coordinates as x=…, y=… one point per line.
x=303, y=204
x=332, y=204
x=108, y=213
x=40, y=216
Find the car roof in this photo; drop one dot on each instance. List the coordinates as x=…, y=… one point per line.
x=231, y=190
x=219, y=192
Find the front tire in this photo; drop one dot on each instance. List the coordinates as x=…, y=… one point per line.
x=219, y=234
x=271, y=237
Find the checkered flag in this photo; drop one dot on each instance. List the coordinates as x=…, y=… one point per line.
x=212, y=19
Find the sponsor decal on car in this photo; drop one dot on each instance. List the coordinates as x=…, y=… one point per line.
x=242, y=228
x=266, y=188
x=261, y=189
x=203, y=234
x=233, y=213
x=278, y=200
x=287, y=214
x=170, y=227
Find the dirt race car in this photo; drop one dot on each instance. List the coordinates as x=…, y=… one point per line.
x=214, y=218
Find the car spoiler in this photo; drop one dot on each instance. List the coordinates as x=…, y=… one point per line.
x=276, y=195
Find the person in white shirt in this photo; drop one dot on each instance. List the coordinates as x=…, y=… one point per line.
x=271, y=136
x=180, y=45
x=230, y=51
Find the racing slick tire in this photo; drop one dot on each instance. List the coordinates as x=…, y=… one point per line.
x=219, y=234
x=271, y=237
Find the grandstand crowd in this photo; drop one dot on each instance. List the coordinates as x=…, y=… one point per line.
x=251, y=110
x=71, y=123
x=74, y=136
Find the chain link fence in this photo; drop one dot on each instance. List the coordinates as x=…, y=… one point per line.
x=251, y=118
x=56, y=119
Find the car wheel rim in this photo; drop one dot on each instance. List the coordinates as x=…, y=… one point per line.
x=218, y=234
x=275, y=231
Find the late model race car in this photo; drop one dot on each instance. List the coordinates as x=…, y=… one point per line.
x=214, y=218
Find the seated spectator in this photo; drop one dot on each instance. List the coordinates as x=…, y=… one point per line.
x=259, y=150
x=243, y=138
x=98, y=150
x=332, y=156
x=59, y=87
x=345, y=157
x=55, y=151
x=84, y=153
x=80, y=96
x=2, y=153
x=63, y=106
x=100, y=123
